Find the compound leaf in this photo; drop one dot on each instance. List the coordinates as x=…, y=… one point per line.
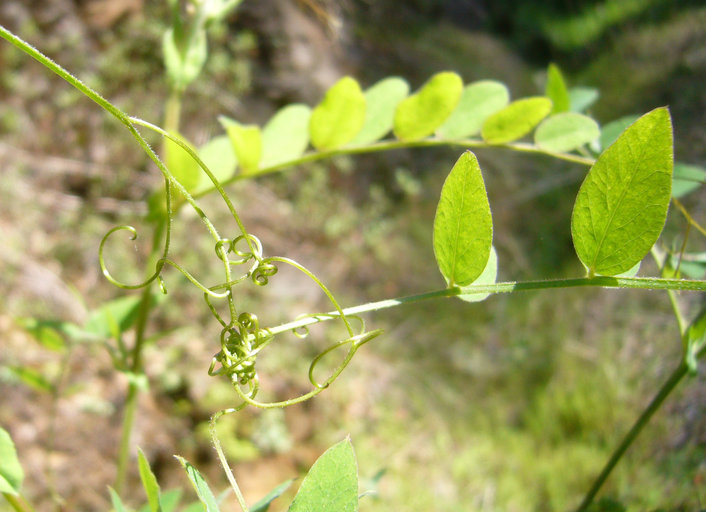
x=381, y=102
x=556, y=90
x=332, y=482
x=339, y=117
x=478, y=101
x=420, y=114
x=246, y=141
x=622, y=204
x=463, y=227
x=11, y=473
x=516, y=120
x=565, y=132
x=286, y=136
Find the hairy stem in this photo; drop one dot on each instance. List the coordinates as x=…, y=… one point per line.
x=644, y=418
x=222, y=458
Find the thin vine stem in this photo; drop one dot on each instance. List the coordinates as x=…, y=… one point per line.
x=644, y=283
x=222, y=457
x=666, y=389
x=17, y=503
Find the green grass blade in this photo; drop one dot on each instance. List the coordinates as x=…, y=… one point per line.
x=463, y=227
x=516, y=120
x=566, y=132
x=423, y=112
x=381, y=102
x=622, y=204
x=339, y=117
x=264, y=504
x=479, y=100
x=331, y=484
x=149, y=482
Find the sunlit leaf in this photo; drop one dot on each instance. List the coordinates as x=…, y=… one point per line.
x=286, y=136
x=611, y=131
x=339, y=117
x=687, y=178
x=246, y=141
x=565, y=132
x=582, y=98
x=479, y=100
x=149, y=482
x=420, y=114
x=116, y=501
x=332, y=482
x=516, y=120
x=180, y=164
x=556, y=90
x=44, y=332
x=264, y=504
x=381, y=101
x=463, y=227
x=622, y=204
x=11, y=473
x=488, y=276
x=200, y=486
x=219, y=157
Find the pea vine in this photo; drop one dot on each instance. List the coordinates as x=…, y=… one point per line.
x=618, y=216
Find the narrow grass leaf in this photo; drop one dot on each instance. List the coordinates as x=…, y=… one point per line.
x=149, y=482
x=11, y=473
x=200, y=486
x=168, y=500
x=115, y=500
x=556, y=90
x=339, y=117
x=463, y=227
x=565, y=132
x=582, y=98
x=332, y=482
x=622, y=204
x=286, y=136
x=264, y=504
x=516, y=120
x=611, y=131
x=381, y=101
x=219, y=157
x=488, y=276
x=687, y=178
x=479, y=100
x=246, y=141
x=422, y=113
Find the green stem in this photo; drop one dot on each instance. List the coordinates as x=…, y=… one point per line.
x=17, y=503
x=645, y=283
x=644, y=418
x=222, y=458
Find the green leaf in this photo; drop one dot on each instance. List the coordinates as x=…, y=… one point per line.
x=32, y=378
x=516, y=120
x=11, y=473
x=180, y=164
x=246, y=141
x=488, y=276
x=286, y=135
x=611, y=131
x=169, y=501
x=565, y=132
x=420, y=114
x=120, y=312
x=220, y=159
x=622, y=204
x=695, y=341
x=200, y=486
x=687, y=178
x=116, y=501
x=184, y=58
x=44, y=332
x=264, y=504
x=581, y=98
x=339, y=117
x=479, y=100
x=331, y=484
x=556, y=90
x=381, y=102
x=149, y=482
x=463, y=227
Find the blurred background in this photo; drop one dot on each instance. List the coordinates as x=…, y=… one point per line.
x=511, y=404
